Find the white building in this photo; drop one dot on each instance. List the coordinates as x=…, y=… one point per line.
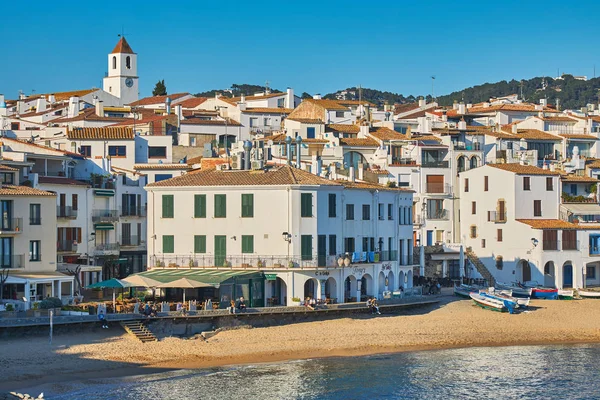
x=122, y=79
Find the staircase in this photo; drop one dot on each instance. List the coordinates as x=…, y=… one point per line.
x=481, y=268
x=139, y=330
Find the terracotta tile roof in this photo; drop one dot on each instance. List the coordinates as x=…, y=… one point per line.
x=268, y=110
x=203, y=113
x=356, y=142
x=7, y=168
x=145, y=120
x=595, y=119
x=89, y=114
x=61, y=96
x=192, y=103
x=305, y=120
x=250, y=98
x=344, y=128
x=48, y=110
x=417, y=114
x=402, y=108
x=371, y=186
x=501, y=135
x=356, y=103
x=383, y=133
x=510, y=107
x=532, y=134
x=328, y=104
x=118, y=133
x=6, y=140
x=275, y=176
x=559, y=119
x=280, y=138
x=60, y=181
x=578, y=136
x=157, y=99
x=122, y=47
x=425, y=137
x=213, y=122
x=162, y=166
x=593, y=163
x=548, y=224
x=379, y=171
x=12, y=190
x=578, y=179
x=523, y=169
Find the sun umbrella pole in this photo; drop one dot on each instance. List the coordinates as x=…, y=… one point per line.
x=184, y=296
x=114, y=302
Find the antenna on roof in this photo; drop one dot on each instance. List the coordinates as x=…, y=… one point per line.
x=432, y=92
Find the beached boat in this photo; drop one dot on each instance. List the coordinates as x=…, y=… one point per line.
x=589, y=294
x=566, y=294
x=509, y=302
x=517, y=290
x=507, y=294
x=465, y=290
x=545, y=293
x=488, y=303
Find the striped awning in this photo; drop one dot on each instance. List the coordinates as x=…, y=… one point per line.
x=104, y=192
x=104, y=227
x=212, y=277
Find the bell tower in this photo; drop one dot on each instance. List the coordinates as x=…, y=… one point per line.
x=122, y=79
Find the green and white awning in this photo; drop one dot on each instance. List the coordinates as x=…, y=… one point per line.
x=104, y=192
x=212, y=277
x=104, y=226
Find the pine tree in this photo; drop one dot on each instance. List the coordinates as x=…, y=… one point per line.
x=160, y=89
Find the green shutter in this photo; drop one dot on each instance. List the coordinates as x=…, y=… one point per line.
x=306, y=205
x=199, y=244
x=247, y=205
x=167, y=206
x=306, y=247
x=247, y=244
x=168, y=244
x=220, y=206
x=199, y=206
x=220, y=250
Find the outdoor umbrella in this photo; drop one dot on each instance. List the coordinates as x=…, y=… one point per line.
x=111, y=283
x=184, y=283
x=141, y=281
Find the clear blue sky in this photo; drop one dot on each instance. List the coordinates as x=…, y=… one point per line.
x=313, y=46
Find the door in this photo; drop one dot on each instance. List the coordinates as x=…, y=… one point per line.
x=322, y=250
x=220, y=250
x=310, y=133
x=429, y=238
x=501, y=211
x=567, y=276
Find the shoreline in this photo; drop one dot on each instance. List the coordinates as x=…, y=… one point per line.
x=452, y=324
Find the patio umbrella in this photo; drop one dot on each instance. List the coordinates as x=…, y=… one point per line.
x=184, y=283
x=141, y=281
x=113, y=283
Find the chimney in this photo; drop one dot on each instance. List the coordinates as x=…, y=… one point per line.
x=168, y=106
x=247, y=148
x=99, y=108
x=543, y=102
x=317, y=96
x=461, y=108
x=363, y=131
x=351, y=174
x=462, y=124
x=73, y=107
x=455, y=105
x=552, y=167
x=545, y=166
x=444, y=117
x=40, y=104
x=558, y=104
x=298, y=150
x=422, y=102
x=242, y=102
x=51, y=98
x=243, y=98
x=288, y=145
x=469, y=105
x=179, y=113
x=217, y=95
x=289, y=98
x=523, y=159
x=514, y=128
x=486, y=104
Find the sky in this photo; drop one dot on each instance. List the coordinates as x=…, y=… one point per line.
x=311, y=46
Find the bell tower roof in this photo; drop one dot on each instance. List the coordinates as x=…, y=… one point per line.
x=122, y=47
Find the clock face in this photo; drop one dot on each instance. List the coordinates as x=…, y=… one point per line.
x=129, y=82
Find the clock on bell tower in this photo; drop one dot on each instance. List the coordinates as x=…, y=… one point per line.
x=122, y=79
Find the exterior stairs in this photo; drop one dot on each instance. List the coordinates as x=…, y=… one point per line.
x=481, y=268
x=139, y=330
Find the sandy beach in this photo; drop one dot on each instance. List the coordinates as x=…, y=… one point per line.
x=29, y=362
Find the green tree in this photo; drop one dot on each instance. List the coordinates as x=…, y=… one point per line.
x=306, y=96
x=160, y=89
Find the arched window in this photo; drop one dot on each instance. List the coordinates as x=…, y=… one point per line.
x=114, y=62
x=128, y=62
x=473, y=162
x=352, y=159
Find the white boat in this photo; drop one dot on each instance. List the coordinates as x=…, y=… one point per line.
x=566, y=294
x=589, y=294
x=517, y=291
x=488, y=302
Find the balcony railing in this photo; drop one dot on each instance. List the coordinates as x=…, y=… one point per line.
x=438, y=188
x=11, y=226
x=438, y=214
x=12, y=260
x=496, y=216
x=106, y=215
x=400, y=161
x=129, y=241
x=107, y=248
x=434, y=164
x=406, y=260
x=67, y=246
x=139, y=211
x=417, y=220
x=66, y=212
x=388, y=255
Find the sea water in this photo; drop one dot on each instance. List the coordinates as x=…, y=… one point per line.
x=532, y=372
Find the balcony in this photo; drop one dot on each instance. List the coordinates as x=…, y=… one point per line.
x=130, y=241
x=434, y=164
x=403, y=162
x=12, y=260
x=107, y=249
x=438, y=188
x=498, y=217
x=66, y=212
x=128, y=211
x=67, y=246
x=417, y=220
x=105, y=215
x=443, y=215
x=406, y=260
x=476, y=146
x=11, y=226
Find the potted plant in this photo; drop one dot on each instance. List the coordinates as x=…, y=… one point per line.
x=225, y=263
x=290, y=264
x=295, y=301
x=260, y=264
x=191, y=263
x=36, y=309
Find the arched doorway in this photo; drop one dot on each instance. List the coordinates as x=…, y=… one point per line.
x=474, y=162
x=524, y=271
x=381, y=281
x=278, y=292
x=409, y=279
x=311, y=288
x=390, y=281
x=350, y=289
x=567, y=275
x=549, y=275
x=366, y=288
x=331, y=289
x=462, y=163
x=401, y=283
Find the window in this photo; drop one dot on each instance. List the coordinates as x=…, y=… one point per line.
x=473, y=207
x=473, y=231
x=247, y=205
x=466, y=184
x=332, y=245
x=526, y=183
x=349, y=245
x=306, y=205
x=366, y=215
x=499, y=235
x=365, y=244
x=253, y=122
x=14, y=126
x=34, y=250
x=332, y=205
x=310, y=132
x=499, y=262
x=569, y=240
x=483, y=243
x=537, y=208
x=339, y=114
x=590, y=272
x=485, y=183
x=381, y=211
x=220, y=206
x=200, y=244
x=549, y=185
x=157, y=152
x=390, y=212
x=35, y=214
x=114, y=62
x=199, y=206
x=117, y=151
x=349, y=212
x=247, y=244
x=85, y=151
x=550, y=239
x=162, y=177
x=128, y=62
x=306, y=247
x=7, y=177
x=74, y=202
x=168, y=244
x=168, y=206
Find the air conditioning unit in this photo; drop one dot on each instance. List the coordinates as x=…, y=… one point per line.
x=223, y=167
x=258, y=164
x=237, y=161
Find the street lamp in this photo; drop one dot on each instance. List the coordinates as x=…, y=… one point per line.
x=286, y=236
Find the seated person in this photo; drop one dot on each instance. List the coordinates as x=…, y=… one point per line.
x=307, y=303
x=241, y=304
x=374, y=306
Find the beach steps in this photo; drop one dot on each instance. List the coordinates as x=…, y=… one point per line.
x=481, y=268
x=139, y=330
